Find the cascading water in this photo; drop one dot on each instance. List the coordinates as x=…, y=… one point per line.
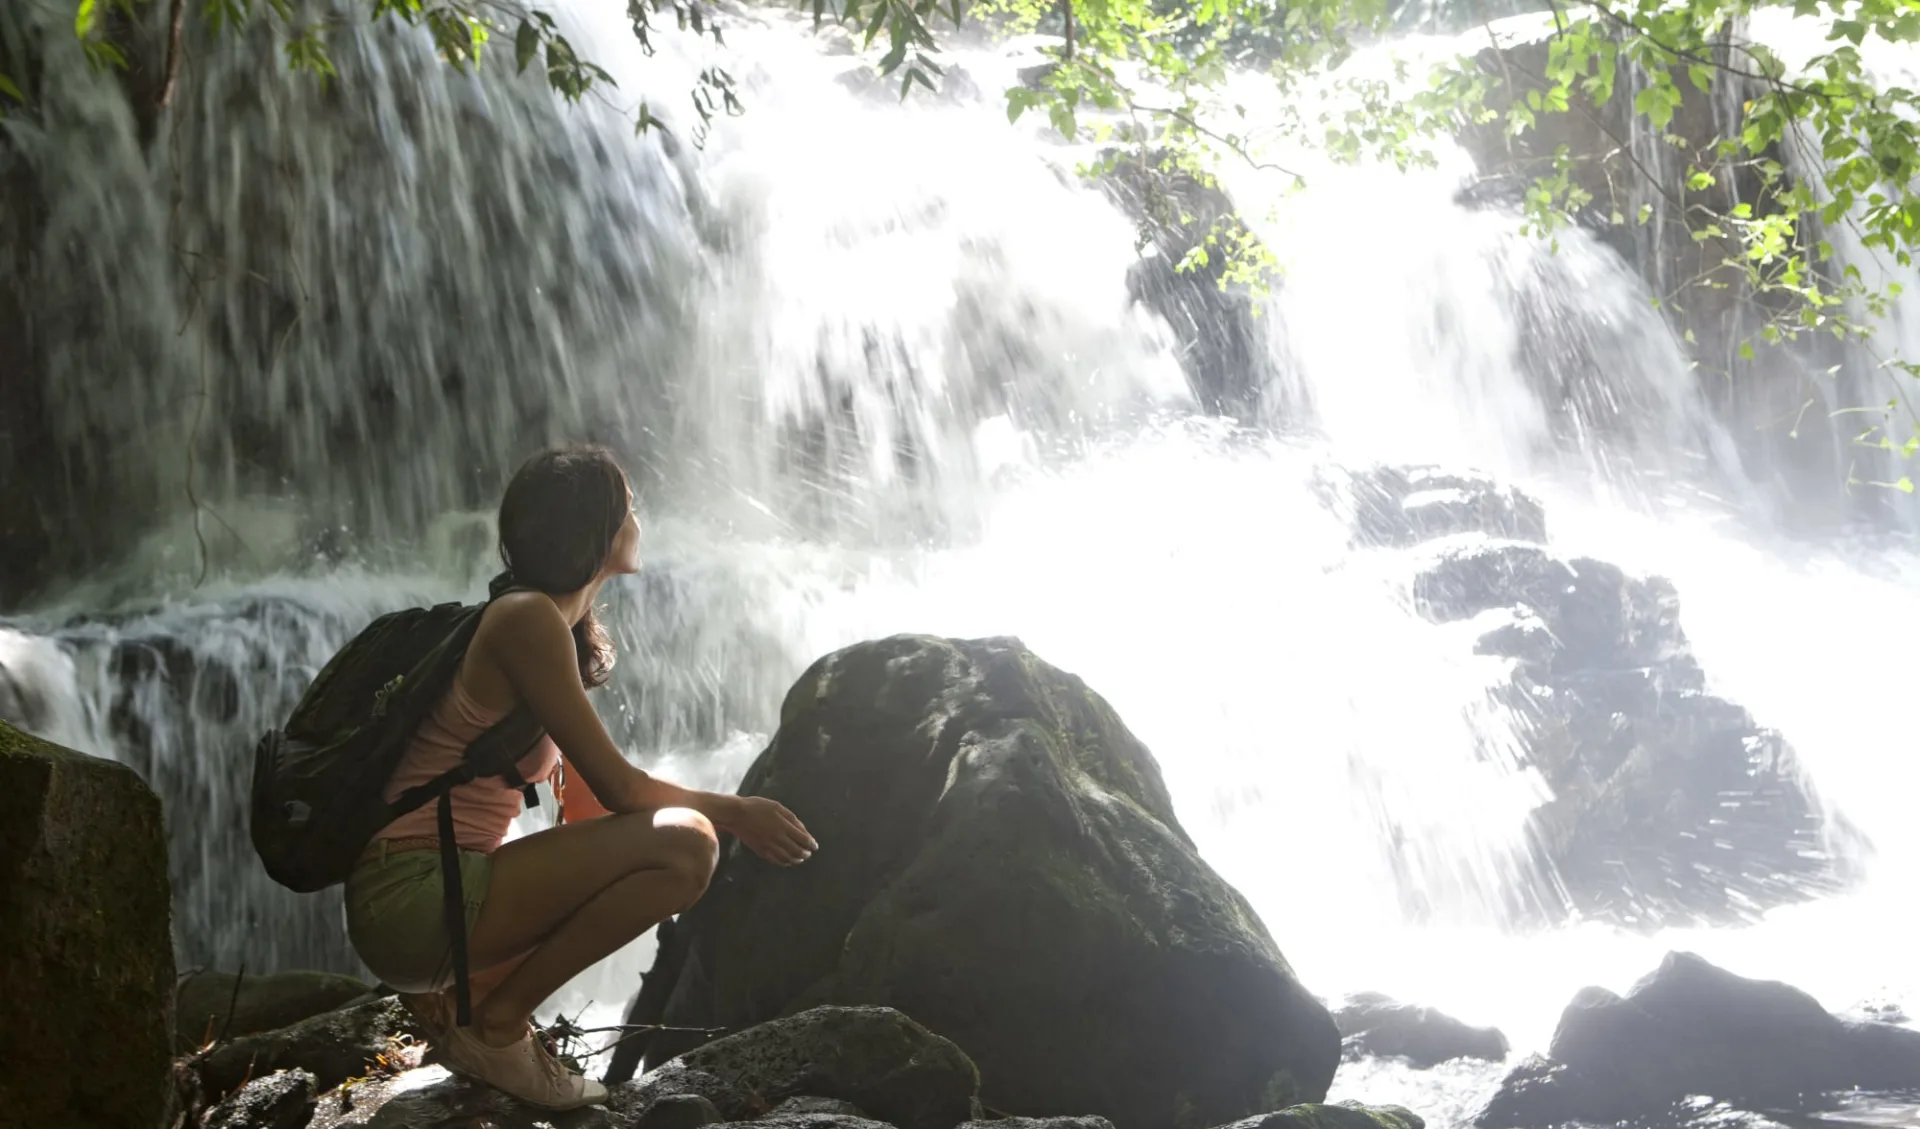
x=878, y=371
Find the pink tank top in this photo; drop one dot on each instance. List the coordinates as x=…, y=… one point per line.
x=482, y=809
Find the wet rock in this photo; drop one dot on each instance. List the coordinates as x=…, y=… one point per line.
x=680, y=1111
x=1690, y=1028
x=631, y=1101
x=333, y=1047
x=1600, y=618
x=809, y=1104
x=1042, y=1123
x=872, y=1057
x=1670, y=805
x=1405, y=505
x=1006, y=867
x=283, y=1100
x=1339, y=1115
x=1374, y=1025
x=429, y=1098
x=1225, y=349
x=259, y=1003
x=810, y=1121
x=1518, y=634
x=86, y=960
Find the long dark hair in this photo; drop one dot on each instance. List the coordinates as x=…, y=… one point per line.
x=558, y=520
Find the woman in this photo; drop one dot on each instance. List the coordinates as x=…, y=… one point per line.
x=630, y=851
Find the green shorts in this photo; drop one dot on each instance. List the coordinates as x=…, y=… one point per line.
x=397, y=920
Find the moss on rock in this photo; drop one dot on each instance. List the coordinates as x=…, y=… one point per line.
x=1000, y=860
x=86, y=1023
x=1340, y=1115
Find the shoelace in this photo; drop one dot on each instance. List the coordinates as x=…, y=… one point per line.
x=552, y=1067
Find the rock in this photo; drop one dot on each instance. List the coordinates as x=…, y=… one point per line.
x=1042, y=1123
x=1693, y=1029
x=283, y=1100
x=1340, y=1115
x=1601, y=618
x=263, y=1003
x=631, y=1101
x=808, y=1104
x=1374, y=1025
x=873, y=1057
x=1620, y=164
x=680, y=1111
x=1518, y=634
x=1405, y=505
x=333, y=1047
x=428, y=1098
x=1670, y=806
x=86, y=1023
x=809, y=1121
x=1000, y=861
x=1225, y=350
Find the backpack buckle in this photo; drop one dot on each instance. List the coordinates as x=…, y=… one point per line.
x=383, y=695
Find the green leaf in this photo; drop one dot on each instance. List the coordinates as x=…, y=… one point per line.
x=1905, y=485
x=1061, y=115
x=86, y=19
x=526, y=45
x=10, y=90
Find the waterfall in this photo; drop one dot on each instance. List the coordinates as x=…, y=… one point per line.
x=877, y=369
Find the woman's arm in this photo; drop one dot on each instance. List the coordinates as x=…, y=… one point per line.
x=577, y=801
x=528, y=640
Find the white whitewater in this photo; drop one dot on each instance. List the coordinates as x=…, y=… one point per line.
x=1004, y=446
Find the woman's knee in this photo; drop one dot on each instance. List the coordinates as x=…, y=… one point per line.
x=691, y=847
x=680, y=841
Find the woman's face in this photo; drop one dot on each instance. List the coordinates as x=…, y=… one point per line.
x=623, y=559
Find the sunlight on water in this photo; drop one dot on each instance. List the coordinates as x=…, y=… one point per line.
x=906, y=391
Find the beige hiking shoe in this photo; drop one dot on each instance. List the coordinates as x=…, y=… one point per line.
x=523, y=1070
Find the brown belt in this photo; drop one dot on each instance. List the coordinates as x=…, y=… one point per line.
x=396, y=846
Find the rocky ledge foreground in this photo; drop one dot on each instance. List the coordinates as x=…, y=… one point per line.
x=825, y=1068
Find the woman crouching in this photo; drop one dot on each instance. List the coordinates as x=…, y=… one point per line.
x=631, y=849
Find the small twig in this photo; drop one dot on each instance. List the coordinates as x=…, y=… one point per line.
x=199, y=536
x=233, y=1001
x=1493, y=40
x=641, y=1028
x=1236, y=147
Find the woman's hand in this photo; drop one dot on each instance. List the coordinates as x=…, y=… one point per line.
x=771, y=831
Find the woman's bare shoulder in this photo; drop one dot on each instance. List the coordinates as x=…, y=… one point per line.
x=522, y=615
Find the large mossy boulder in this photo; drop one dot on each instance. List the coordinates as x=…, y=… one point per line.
x=1000, y=861
x=86, y=959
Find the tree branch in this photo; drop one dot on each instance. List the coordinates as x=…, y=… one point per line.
x=174, y=27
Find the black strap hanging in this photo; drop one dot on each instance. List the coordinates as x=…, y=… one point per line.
x=454, y=902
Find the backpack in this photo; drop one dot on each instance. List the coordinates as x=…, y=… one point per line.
x=319, y=782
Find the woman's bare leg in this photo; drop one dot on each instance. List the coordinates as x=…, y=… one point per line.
x=563, y=898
